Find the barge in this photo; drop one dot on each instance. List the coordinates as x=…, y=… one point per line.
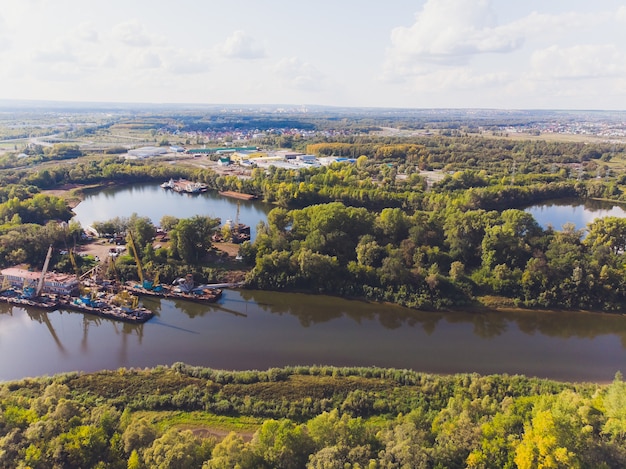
x=160, y=291
x=108, y=310
x=15, y=297
x=237, y=195
x=185, y=186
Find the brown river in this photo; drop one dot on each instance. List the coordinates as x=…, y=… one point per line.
x=258, y=330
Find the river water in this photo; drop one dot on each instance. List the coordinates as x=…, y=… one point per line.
x=258, y=330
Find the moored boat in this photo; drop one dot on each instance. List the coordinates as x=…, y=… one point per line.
x=18, y=298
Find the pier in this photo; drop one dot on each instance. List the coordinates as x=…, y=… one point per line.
x=237, y=195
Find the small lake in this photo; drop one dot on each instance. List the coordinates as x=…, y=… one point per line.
x=152, y=201
x=557, y=213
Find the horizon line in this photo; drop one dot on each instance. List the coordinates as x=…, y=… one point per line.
x=26, y=103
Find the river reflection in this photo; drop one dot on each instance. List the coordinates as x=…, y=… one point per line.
x=258, y=330
x=486, y=324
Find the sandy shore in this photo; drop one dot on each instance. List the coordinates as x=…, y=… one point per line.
x=71, y=193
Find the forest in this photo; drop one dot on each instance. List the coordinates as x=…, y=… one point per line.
x=308, y=417
x=379, y=228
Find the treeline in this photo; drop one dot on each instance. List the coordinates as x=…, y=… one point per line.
x=34, y=154
x=408, y=152
x=417, y=246
x=30, y=222
x=500, y=173
x=441, y=258
x=308, y=417
x=467, y=151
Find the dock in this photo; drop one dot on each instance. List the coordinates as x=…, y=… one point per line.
x=168, y=293
x=237, y=195
x=185, y=186
x=100, y=308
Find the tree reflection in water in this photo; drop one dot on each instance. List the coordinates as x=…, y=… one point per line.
x=316, y=309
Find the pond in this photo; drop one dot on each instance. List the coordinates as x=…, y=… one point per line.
x=152, y=201
x=557, y=213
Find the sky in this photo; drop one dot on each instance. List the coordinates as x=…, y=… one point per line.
x=502, y=54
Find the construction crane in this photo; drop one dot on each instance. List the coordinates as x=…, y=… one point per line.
x=43, y=273
x=5, y=283
x=70, y=252
x=145, y=282
x=115, y=271
x=137, y=259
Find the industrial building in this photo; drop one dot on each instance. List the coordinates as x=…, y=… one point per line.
x=147, y=152
x=62, y=284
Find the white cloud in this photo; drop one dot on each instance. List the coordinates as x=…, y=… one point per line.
x=296, y=74
x=449, y=31
x=149, y=59
x=545, y=27
x=621, y=14
x=132, y=33
x=240, y=45
x=187, y=62
x=4, y=38
x=55, y=53
x=107, y=61
x=450, y=48
x=87, y=32
x=578, y=62
x=459, y=78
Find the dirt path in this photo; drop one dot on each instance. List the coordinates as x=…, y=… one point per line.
x=98, y=248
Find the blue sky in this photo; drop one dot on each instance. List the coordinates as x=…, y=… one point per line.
x=548, y=54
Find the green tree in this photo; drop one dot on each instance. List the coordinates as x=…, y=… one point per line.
x=191, y=237
x=607, y=231
x=138, y=435
x=405, y=446
x=143, y=231
x=178, y=450
x=232, y=452
x=615, y=405
x=282, y=444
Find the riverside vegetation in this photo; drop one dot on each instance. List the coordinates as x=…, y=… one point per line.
x=373, y=229
x=313, y=417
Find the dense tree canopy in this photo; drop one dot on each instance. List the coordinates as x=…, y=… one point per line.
x=308, y=417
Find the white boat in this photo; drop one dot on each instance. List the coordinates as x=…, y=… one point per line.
x=169, y=184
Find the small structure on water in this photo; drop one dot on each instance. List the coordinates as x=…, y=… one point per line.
x=183, y=185
x=237, y=195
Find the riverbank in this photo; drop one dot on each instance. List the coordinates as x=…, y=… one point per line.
x=150, y=200
x=73, y=194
